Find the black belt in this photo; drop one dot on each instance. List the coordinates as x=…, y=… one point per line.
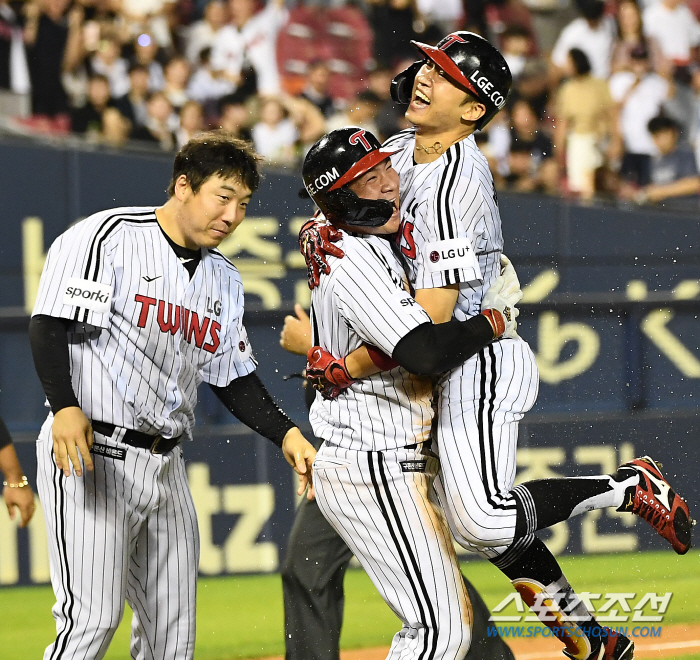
x=156, y=444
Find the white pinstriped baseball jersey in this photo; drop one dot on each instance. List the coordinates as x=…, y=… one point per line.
x=451, y=227
x=144, y=335
x=365, y=299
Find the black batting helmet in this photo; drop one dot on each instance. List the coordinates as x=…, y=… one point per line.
x=471, y=62
x=336, y=160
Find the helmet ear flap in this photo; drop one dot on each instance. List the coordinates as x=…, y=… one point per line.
x=402, y=84
x=346, y=207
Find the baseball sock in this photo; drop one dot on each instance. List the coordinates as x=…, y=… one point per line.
x=545, y=502
x=538, y=578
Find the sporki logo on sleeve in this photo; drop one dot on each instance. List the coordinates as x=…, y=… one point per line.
x=87, y=294
x=452, y=253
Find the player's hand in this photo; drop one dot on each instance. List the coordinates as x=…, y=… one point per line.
x=72, y=438
x=327, y=374
x=21, y=499
x=499, y=303
x=296, y=333
x=316, y=242
x=300, y=454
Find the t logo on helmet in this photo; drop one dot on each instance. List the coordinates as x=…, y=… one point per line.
x=449, y=40
x=359, y=137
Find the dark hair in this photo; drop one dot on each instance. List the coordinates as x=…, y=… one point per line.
x=662, y=123
x=582, y=64
x=138, y=67
x=591, y=10
x=216, y=153
x=515, y=30
x=98, y=76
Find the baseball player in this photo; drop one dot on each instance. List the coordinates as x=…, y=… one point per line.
x=374, y=471
x=135, y=309
x=451, y=240
x=16, y=490
x=317, y=558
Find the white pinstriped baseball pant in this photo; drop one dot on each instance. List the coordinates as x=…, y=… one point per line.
x=388, y=516
x=479, y=407
x=126, y=531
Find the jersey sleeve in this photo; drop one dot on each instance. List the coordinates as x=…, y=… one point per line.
x=377, y=308
x=453, y=206
x=233, y=358
x=77, y=281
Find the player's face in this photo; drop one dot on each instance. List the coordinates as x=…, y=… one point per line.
x=437, y=103
x=381, y=182
x=214, y=212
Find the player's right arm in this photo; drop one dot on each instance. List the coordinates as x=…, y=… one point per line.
x=76, y=286
x=429, y=348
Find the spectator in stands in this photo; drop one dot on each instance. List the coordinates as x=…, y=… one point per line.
x=361, y=111
x=191, y=122
x=630, y=36
x=394, y=20
x=133, y=104
x=531, y=163
x=639, y=94
x=177, y=74
x=516, y=46
x=116, y=128
x=675, y=182
x=202, y=34
x=160, y=123
x=275, y=135
x=108, y=62
x=207, y=85
x=583, y=109
x=250, y=37
x=677, y=32
x=152, y=16
x=235, y=116
x=145, y=52
x=533, y=85
x=593, y=33
x=52, y=36
x=318, y=77
x=284, y=123
x=9, y=30
x=88, y=118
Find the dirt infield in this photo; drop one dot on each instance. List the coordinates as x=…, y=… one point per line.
x=674, y=641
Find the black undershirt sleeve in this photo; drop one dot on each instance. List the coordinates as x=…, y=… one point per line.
x=48, y=337
x=5, y=437
x=433, y=348
x=248, y=399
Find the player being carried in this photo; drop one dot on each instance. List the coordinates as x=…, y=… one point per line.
x=451, y=241
x=374, y=471
x=135, y=309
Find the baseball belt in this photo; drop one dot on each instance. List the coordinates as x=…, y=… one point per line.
x=156, y=444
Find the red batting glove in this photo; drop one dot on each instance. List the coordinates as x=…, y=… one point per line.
x=326, y=374
x=316, y=242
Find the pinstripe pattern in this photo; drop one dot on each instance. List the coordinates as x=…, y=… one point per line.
x=479, y=407
x=144, y=378
x=450, y=198
x=127, y=530
x=395, y=527
x=364, y=299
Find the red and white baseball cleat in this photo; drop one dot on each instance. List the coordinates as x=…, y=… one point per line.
x=655, y=501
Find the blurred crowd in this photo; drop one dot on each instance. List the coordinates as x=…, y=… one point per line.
x=605, y=101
